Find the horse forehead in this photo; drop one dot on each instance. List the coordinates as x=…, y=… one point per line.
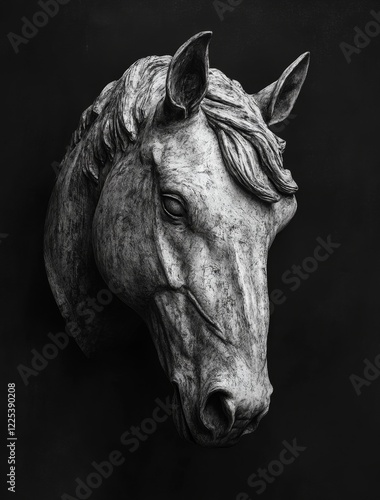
x=188, y=151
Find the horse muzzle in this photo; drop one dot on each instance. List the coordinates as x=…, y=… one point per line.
x=219, y=419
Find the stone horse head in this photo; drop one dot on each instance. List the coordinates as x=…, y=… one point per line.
x=172, y=191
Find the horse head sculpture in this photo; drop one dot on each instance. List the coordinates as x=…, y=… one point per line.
x=173, y=190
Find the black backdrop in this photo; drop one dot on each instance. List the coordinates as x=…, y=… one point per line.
x=75, y=410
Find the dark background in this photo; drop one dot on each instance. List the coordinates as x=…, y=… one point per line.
x=75, y=410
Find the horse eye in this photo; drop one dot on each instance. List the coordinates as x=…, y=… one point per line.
x=173, y=206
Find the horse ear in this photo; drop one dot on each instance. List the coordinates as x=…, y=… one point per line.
x=277, y=100
x=187, y=77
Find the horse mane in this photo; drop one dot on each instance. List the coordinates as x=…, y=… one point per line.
x=251, y=152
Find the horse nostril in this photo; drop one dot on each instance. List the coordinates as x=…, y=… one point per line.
x=218, y=413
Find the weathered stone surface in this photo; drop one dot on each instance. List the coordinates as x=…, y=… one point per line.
x=173, y=190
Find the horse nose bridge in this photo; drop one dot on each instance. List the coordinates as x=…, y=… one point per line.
x=236, y=286
x=236, y=268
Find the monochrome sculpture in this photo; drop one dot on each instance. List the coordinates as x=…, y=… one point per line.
x=172, y=191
